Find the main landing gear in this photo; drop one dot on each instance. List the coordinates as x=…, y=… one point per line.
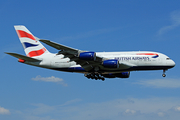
x=95, y=76
x=164, y=75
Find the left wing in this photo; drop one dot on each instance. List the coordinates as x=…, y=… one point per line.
x=67, y=51
x=88, y=60
x=60, y=47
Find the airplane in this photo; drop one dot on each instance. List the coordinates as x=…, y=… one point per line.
x=94, y=65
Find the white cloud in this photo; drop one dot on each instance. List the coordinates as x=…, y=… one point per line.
x=42, y=109
x=4, y=111
x=175, y=19
x=50, y=79
x=177, y=108
x=126, y=109
x=160, y=83
x=120, y=109
x=161, y=114
x=131, y=112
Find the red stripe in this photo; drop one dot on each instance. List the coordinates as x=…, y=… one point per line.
x=25, y=34
x=36, y=53
x=146, y=54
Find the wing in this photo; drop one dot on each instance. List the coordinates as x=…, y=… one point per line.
x=60, y=47
x=77, y=56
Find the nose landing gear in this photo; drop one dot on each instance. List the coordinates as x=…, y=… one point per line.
x=164, y=75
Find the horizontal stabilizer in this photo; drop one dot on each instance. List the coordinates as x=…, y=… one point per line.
x=23, y=57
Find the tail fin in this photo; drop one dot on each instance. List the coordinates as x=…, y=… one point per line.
x=32, y=46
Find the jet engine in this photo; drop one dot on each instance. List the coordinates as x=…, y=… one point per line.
x=111, y=63
x=89, y=56
x=119, y=75
x=123, y=75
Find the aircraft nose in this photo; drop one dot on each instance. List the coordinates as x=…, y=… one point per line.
x=171, y=63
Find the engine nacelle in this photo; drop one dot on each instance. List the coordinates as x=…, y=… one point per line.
x=111, y=63
x=110, y=75
x=119, y=75
x=123, y=75
x=89, y=56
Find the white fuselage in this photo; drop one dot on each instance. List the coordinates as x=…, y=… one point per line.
x=141, y=60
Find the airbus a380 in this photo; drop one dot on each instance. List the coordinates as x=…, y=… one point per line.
x=94, y=65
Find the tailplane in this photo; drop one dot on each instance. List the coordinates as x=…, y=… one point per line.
x=30, y=43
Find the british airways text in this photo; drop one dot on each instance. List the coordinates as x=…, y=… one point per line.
x=132, y=58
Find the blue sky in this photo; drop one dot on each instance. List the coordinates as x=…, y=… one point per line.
x=28, y=92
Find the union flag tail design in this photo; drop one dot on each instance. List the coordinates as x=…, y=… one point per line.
x=32, y=46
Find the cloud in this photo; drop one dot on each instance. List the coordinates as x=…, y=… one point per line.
x=177, y=108
x=42, y=109
x=175, y=20
x=125, y=108
x=50, y=79
x=160, y=83
x=4, y=111
x=130, y=112
x=117, y=109
x=161, y=114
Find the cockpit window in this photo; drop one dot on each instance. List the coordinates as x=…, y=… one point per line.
x=167, y=58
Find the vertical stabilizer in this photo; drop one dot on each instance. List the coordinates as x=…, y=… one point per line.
x=31, y=45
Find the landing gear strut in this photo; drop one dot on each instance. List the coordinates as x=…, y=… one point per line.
x=164, y=75
x=95, y=76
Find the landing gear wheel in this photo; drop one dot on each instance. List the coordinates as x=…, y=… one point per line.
x=95, y=76
x=164, y=75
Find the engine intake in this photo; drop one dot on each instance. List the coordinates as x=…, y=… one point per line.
x=111, y=63
x=89, y=56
